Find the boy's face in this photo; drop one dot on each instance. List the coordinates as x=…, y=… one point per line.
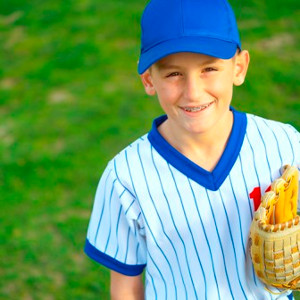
x=195, y=90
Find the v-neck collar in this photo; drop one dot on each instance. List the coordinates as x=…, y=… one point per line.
x=210, y=180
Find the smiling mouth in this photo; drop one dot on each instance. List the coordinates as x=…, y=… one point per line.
x=197, y=108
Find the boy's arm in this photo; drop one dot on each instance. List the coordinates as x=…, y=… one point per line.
x=126, y=287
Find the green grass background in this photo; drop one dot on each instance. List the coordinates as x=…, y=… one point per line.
x=70, y=99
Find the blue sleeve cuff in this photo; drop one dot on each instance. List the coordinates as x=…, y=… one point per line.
x=111, y=263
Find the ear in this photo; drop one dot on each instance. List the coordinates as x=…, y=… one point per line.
x=242, y=60
x=148, y=83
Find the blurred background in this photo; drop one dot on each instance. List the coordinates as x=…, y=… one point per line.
x=70, y=99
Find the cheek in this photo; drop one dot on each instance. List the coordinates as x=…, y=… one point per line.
x=168, y=95
x=221, y=87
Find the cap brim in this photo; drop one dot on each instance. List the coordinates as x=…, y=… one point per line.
x=203, y=45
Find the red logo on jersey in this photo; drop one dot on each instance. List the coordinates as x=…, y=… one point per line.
x=255, y=195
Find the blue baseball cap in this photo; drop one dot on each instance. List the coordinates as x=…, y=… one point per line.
x=200, y=26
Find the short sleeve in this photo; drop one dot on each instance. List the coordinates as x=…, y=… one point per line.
x=295, y=142
x=294, y=139
x=115, y=234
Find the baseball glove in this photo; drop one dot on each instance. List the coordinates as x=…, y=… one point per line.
x=275, y=234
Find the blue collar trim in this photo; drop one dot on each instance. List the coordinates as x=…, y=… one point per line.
x=210, y=180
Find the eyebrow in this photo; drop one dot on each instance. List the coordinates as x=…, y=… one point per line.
x=164, y=66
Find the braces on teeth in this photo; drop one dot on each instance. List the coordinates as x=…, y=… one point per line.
x=193, y=109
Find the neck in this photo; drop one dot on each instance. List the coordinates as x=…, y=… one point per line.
x=204, y=149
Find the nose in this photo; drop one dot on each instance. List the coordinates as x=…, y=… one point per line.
x=193, y=88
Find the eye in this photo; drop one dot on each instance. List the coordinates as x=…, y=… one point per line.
x=173, y=74
x=210, y=69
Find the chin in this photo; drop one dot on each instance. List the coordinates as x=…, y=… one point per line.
x=197, y=129
x=199, y=126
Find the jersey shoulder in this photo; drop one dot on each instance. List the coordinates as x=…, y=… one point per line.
x=275, y=135
x=124, y=162
x=267, y=124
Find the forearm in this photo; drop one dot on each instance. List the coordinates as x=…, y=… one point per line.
x=126, y=287
x=128, y=295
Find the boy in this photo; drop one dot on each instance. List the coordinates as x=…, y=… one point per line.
x=179, y=201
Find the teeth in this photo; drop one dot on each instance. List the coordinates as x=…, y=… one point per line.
x=196, y=108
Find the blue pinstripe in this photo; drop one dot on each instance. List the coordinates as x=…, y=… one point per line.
x=139, y=215
x=117, y=229
x=147, y=225
x=253, y=156
x=222, y=250
x=292, y=149
x=126, y=253
x=162, y=277
x=116, y=172
x=203, y=274
x=112, y=190
x=101, y=215
x=259, y=184
x=154, y=289
x=232, y=242
x=136, y=253
x=246, y=187
x=275, y=140
x=251, y=210
x=127, y=209
x=238, y=210
x=158, y=217
x=204, y=231
x=265, y=149
x=172, y=221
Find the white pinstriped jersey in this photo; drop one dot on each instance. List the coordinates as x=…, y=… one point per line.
x=155, y=209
